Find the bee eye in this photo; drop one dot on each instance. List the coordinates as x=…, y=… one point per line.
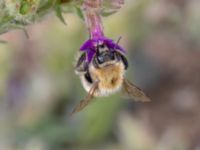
x=100, y=59
x=102, y=46
x=112, y=56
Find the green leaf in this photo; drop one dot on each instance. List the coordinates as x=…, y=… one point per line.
x=25, y=8
x=79, y=12
x=108, y=13
x=59, y=13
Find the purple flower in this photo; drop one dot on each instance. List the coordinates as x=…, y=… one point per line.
x=92, y=10
x=90, y=46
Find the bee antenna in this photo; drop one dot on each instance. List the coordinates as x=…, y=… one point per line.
x=118, y=41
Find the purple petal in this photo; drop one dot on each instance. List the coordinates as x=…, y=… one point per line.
x=113, y=45
x=90, y=55
x=87, y=45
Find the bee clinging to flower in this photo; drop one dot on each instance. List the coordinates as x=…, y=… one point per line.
x=101, y=68
x=102, y=65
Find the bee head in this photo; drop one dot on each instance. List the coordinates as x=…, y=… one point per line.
x=100, y=54
x=104, y=56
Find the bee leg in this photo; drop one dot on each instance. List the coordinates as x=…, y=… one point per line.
x=81, y=65
x=123, y=58
x=88, y=78
x=83, y=103
x=95, y=63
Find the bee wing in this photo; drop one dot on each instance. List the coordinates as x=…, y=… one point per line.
x=83, y=103
x=136, y=93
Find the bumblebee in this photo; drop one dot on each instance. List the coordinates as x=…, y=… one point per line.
x=104, y=75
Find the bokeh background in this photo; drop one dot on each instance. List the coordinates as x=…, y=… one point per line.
x=38, y=86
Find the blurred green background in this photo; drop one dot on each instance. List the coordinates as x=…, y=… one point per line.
x=38, y=86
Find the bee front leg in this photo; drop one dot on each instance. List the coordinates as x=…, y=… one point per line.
x=82, y=65
x=83, y=103
x=121, y=57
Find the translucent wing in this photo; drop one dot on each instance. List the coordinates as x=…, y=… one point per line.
x=83, y=103
x=136, y=93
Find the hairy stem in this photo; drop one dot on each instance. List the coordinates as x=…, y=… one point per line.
x=92, y=10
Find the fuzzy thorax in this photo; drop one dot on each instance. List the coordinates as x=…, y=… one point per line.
x=110, y=78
